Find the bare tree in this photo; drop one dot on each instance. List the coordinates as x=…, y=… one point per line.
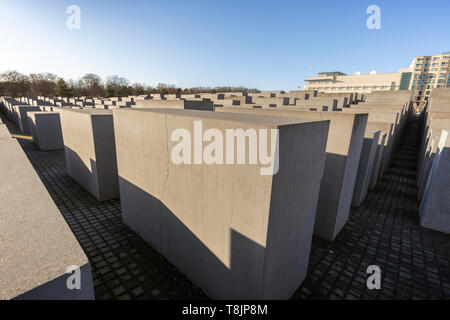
x=42, y=84
x=15, y=83
x=92, y=85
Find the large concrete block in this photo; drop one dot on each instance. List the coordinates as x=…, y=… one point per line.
x=344, y=146
x=323, y=104
x=435, y=205
x=235, y=233
x=21, y=117
x=433, y=134
x=366, y=163
x=46, y=131
x=392, y=118
x=90, y=150
x=386, y=131
x=401, y=96
x=37, y=246
x=205, y=105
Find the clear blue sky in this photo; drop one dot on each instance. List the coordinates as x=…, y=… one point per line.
x=262, y=44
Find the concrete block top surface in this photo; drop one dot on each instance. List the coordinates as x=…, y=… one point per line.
x=382, y=126
x=91, y=112
x=37, y=244
x=224, y=116
x=341, y=124
x=43, y=113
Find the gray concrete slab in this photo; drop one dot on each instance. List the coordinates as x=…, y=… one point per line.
x=4, y=132
x=236, y=233
x=46, y=131
x=366, y=163
x=344, y=146
x=176, y=104
x=21, y=117
x=37, y=246
x=435, y=205
x=90, y=150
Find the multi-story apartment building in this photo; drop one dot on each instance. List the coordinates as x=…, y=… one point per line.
x=429, y=72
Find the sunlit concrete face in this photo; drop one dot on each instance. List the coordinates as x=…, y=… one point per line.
x=235, y=233
x=4, y=132
x=341, y=165
x=435, y=206
x=37, y=246
x=90, y=150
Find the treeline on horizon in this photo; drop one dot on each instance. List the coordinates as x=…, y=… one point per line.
x=16, y=84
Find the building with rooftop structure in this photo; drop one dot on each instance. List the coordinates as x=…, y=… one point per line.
x=334, y=82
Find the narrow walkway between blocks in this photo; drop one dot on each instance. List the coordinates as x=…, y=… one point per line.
x=383, y=231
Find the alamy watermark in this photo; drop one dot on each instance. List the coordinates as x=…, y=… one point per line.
x=374, y=280
x=231, y=149
x=74, y=280
x=74, y=19
x=374, y=20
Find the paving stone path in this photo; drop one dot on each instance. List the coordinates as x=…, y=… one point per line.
x=383, y=231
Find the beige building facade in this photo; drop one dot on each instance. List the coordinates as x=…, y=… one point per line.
x=362, y=83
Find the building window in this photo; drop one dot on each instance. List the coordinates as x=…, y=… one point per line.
x=416, y=76
x=413, y=87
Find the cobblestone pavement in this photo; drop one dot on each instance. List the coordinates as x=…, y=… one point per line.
x=383, y=231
